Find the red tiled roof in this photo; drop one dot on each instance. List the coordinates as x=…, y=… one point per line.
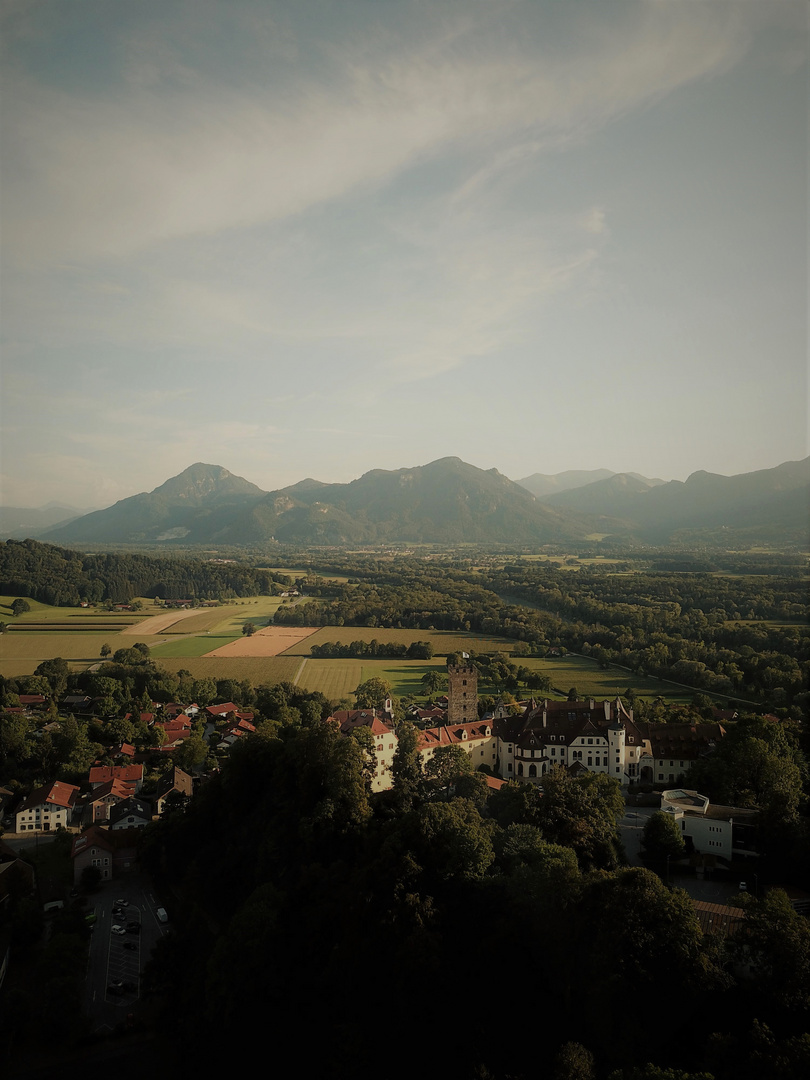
x=349, y=719
x=57, y=793
x=130, y=774
x=119, y=788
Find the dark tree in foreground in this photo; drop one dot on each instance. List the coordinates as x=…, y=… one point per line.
x=662, y=839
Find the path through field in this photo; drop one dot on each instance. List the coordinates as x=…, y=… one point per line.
x=157, y=623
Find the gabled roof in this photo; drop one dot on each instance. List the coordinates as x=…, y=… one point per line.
x=222, y=710
x=120, y=789
x=131, y=806
x=453, y=734
x=173, y=780
x=684, y=740
x=97, y=836
x=55, y=794
x=718, y=919
x=102, y=774
x=349, y=719
x=94, y=836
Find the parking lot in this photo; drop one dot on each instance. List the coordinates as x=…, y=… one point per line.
x=125, y=929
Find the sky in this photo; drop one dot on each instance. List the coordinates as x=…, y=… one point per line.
x=310, y=238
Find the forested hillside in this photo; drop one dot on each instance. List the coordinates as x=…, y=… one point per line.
x=439, y=930
x=60, y=577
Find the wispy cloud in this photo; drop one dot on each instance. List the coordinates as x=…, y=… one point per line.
x=171, y=155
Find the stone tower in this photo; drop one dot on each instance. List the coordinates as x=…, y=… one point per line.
x=462, y=693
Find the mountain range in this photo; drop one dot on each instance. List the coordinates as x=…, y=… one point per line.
x=449, y=501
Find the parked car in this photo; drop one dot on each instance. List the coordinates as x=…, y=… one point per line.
x=121, y=903
x=133, y=928
x=129, y=945
x=118, y=930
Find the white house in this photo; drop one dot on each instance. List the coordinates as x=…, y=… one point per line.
x=47, y=808
x=385, y=741
x=600, y=737
x=708, y=829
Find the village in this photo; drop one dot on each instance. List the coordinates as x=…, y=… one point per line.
x=515, y=742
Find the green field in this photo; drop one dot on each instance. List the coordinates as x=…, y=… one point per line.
x=591, y=681
x=335, y=679
x=191, y=646
x=44, y=612
x=443, y=641
x=21, y=654
x=185, y=644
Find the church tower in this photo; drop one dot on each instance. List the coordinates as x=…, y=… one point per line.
x=462, y=693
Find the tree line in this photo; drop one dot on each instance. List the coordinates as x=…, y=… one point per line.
x=63, y=578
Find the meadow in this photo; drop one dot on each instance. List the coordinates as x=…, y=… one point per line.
x=77, y=635
x=443, y=641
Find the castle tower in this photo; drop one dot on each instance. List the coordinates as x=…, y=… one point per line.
x=462, y=693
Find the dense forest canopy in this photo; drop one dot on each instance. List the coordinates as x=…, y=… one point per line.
x=65, y=578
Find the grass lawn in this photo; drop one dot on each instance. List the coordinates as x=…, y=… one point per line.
x=405, y=676
x=333, y=678
x=591, y=681
x=192, y=646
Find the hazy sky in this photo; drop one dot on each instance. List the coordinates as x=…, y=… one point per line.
x=308, y=238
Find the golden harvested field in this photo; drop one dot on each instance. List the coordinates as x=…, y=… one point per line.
x=259, y=669
x=21, y=654
x=271, y=641
x=160, y=624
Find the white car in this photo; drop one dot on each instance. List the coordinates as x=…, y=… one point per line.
x=122, y=903
x=118, y=930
